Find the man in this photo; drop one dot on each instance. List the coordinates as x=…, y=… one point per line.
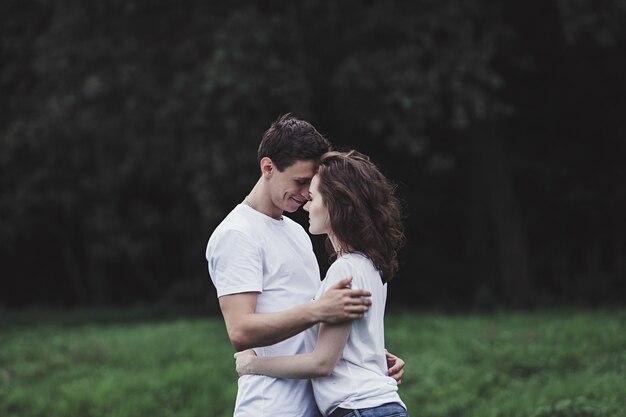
x=265, y=272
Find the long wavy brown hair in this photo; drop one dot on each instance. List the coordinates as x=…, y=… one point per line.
x=365, y=215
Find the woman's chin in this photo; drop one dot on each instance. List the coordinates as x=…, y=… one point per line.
x=315, y=231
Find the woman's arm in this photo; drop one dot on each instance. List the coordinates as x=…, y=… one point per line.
x=319, y=363
x=395, y=366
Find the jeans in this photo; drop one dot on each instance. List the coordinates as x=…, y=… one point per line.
x=385, y=410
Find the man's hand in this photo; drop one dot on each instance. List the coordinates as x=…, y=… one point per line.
x=340, y=303
x=395, y=367
x=242, y=361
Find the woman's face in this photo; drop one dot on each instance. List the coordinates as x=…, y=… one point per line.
x=319, y=221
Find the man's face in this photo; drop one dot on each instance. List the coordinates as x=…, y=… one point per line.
x=290, y=188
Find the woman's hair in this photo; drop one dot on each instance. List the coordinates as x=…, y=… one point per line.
x=365, y=215
x=289, y=140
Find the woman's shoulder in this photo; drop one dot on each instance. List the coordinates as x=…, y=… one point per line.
x=347, y=260
x=352, y=264
x=355, y=260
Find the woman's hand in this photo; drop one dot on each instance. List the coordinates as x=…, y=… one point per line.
x=242, y=361
x=395, y=366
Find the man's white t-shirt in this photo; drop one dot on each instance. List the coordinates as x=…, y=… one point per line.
x=252, y=252
x=359, y=379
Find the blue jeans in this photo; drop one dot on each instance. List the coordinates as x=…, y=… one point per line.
x=385, y=410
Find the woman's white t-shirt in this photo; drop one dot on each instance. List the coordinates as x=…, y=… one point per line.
x=360, y=378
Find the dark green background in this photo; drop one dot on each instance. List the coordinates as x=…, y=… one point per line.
x=128, y=130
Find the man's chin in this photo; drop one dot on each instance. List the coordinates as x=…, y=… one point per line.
x=293, y=206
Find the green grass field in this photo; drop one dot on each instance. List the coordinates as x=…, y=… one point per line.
x=540, y=364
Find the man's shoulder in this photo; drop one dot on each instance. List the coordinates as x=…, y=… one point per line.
x=237, y=219
x=293, y=225
x=236, y=223
x=243, y=221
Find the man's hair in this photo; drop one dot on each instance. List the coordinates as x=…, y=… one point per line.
x=365, y=215
x=289, y=140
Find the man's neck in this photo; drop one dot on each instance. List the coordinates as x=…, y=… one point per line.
x=260, y=200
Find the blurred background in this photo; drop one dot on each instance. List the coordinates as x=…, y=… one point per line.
x=129, y=129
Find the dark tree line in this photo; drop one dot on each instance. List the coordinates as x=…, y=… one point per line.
x=129, y=129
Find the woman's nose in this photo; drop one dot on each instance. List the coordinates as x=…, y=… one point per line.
x=306, y=206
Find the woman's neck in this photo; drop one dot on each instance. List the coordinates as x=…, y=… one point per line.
x=339, y=247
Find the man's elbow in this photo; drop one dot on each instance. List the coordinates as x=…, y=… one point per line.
x=239, y=340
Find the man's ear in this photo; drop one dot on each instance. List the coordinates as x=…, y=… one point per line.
x=267, y=167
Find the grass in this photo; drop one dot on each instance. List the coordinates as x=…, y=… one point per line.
x=558, y=364
x=539, y=364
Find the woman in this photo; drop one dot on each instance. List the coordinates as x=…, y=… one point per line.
x=354, y=205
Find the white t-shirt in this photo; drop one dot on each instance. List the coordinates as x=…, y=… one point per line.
x=360, y=378
x=252, y=252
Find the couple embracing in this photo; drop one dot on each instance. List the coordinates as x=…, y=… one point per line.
x=304, y=347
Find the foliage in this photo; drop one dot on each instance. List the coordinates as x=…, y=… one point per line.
x=129, y=129
x=552, y=363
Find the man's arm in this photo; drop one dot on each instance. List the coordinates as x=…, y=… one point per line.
x=319, y=363
x=247, y=329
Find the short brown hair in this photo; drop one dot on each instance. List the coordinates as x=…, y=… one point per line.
x=289, y=140
x=365, y=215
